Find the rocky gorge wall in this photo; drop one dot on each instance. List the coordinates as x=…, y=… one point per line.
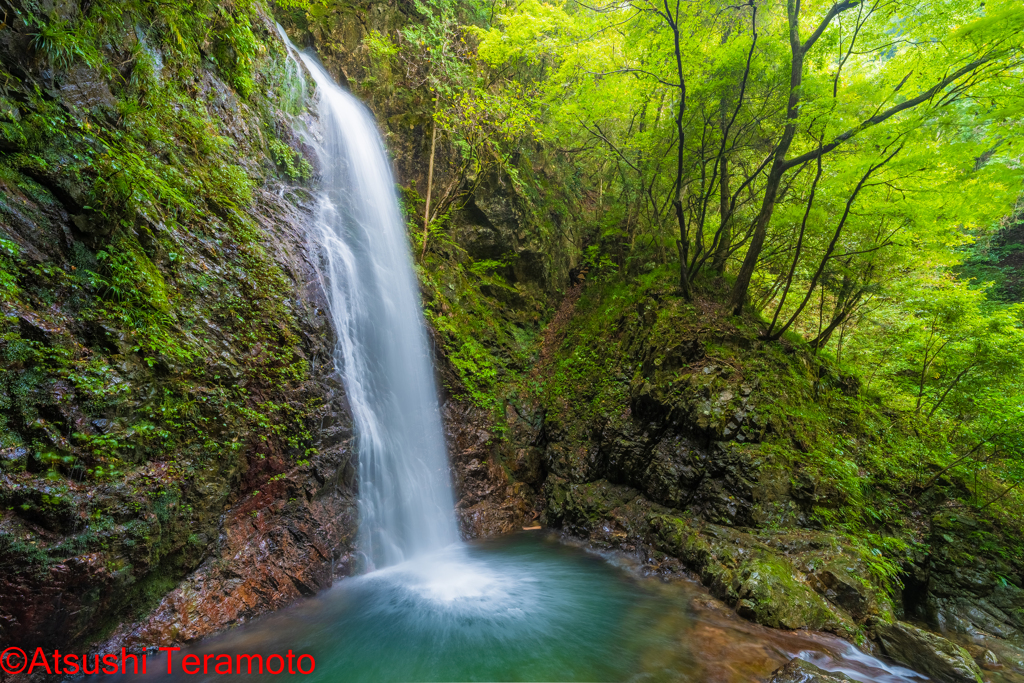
x=671, y=432
x=169, y=407
x=176, y=446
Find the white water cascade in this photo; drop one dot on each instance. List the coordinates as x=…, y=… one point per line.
x=406, y=504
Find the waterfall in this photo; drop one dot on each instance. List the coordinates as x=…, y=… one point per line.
x=406, y=505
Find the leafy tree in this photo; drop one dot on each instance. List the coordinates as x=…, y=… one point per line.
x=710, y=126
x=483, y=125
x=825, y=161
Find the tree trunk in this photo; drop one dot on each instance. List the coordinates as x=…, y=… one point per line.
x=771, y=190
x=430, y=188
x=779, y=164
x=764, y=217
x=725, y=239
x=683, y=243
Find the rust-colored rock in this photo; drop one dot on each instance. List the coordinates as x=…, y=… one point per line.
x=489, y=502
x=289, y=541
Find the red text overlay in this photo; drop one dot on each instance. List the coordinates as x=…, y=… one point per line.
x=15, y=660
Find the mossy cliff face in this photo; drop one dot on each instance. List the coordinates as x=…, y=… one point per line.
x=670, y=430
x=167, y=400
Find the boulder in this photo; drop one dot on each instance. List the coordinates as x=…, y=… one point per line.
x=927, y=653
x=86, y=88
x=799, y=671
x=840, y=586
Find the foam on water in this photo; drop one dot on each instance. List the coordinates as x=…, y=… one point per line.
x=455, y=585
x=446, y=584
x=860, y=666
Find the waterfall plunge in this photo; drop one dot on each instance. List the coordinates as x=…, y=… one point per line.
x=406, y=505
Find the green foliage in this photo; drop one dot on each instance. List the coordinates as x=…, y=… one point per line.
x=160, y=348
x=237, y=47
x=381, y=49
x=62, y=47
x=861, y=251
x=294, y=164
x=994, y=261
x=486, y=342
x=8, y=276
x=429, y=66
x=648, y=130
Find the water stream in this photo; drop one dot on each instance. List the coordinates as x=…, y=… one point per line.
x=406, y=506
x=520, y=608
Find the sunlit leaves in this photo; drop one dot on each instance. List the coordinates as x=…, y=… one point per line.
x=934, y=83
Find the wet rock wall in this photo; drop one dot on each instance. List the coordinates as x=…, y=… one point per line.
x=175, y=447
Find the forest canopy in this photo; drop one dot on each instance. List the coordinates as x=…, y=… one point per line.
x=841, y=169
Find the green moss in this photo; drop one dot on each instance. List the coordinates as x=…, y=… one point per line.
x=827, y=456
x=293, y=163
x=489, y=340
x=161, y=351
x=134, y=281
x=782, y=601
x=171, y=190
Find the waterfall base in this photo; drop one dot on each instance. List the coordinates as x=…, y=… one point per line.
x=529, y=608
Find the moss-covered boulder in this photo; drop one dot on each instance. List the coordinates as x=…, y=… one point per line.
x=929, y=653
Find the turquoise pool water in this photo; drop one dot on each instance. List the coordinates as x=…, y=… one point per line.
x=521, y=608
